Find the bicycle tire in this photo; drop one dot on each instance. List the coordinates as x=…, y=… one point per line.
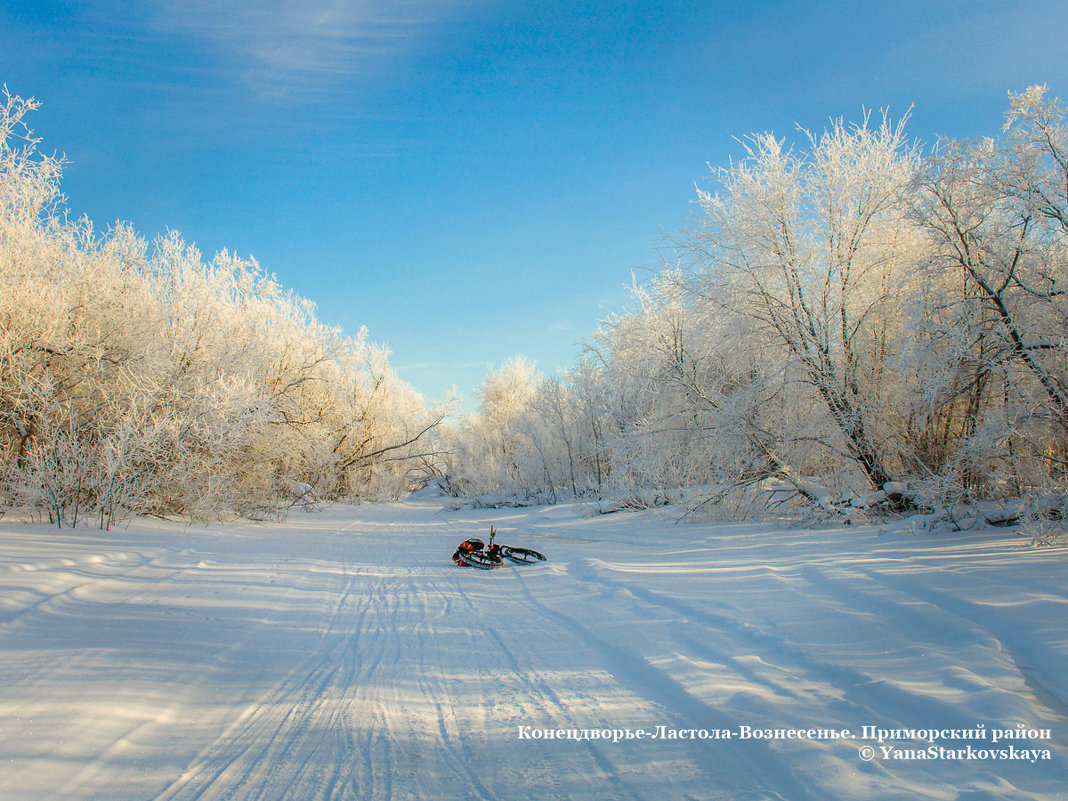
x=480, y=559
x=522, y=556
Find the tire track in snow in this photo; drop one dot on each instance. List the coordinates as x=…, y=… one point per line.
x=328, y=729
x=456, y=751
x=556, y=709
x=248, y=759
x=535, y=690
x=304, y=730
x=369, y=678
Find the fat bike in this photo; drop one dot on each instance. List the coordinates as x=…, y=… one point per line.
x=476, y=553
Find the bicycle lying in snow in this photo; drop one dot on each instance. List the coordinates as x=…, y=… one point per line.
x=475, y=553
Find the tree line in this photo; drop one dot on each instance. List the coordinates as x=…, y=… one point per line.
x=847, y=323
x=140, y=378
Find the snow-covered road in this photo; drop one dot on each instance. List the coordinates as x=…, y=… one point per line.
x=341, y=655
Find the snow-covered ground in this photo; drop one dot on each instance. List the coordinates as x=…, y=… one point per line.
x=340, y=654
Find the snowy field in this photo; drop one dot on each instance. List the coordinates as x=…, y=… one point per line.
x=341, y=655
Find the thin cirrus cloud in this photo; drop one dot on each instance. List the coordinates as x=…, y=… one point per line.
x=307, y=47
x=558, y=327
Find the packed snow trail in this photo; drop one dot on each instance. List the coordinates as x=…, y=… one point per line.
x=341, y=655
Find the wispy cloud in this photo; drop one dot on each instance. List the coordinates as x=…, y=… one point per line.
x=292, y=47
x=559, y=327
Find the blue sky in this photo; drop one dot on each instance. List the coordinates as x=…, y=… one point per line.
x=474, y=179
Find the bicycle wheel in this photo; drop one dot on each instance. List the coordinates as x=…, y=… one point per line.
x=522, y=556
x=481, y=559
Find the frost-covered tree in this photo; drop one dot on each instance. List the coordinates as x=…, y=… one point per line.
x=491, y=448
x=995, y=214
x=811, y=245
x=139, y=378
x=843, y=316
